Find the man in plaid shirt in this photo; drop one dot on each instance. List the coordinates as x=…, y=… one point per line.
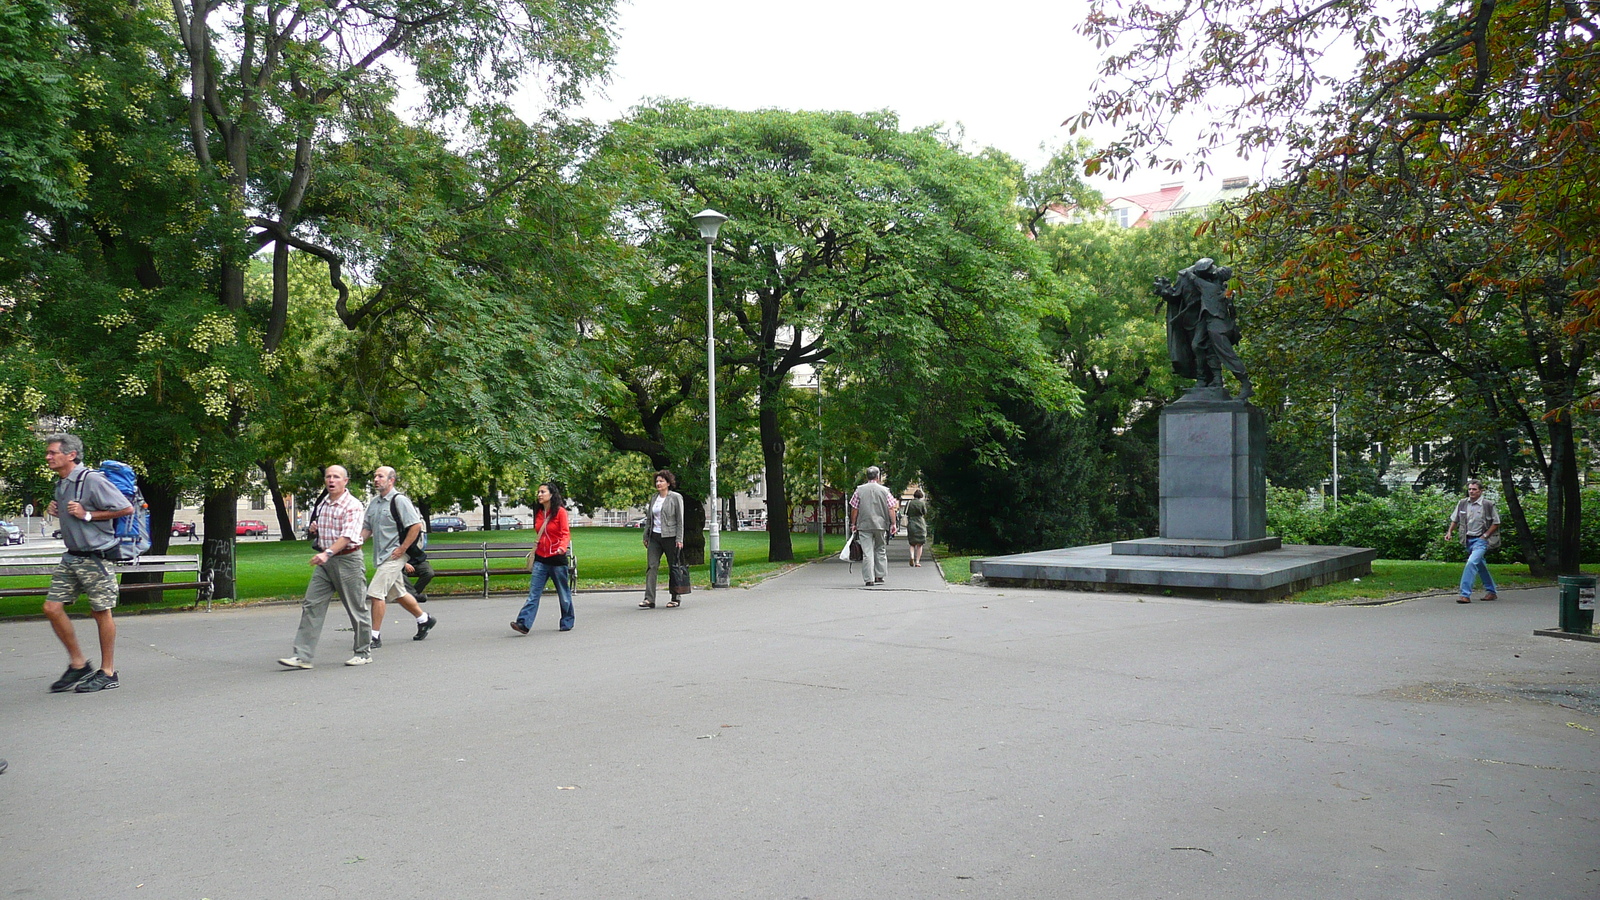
x=338, y=567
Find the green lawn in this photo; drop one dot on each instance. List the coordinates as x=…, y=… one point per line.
x=1389, y=578
x=607, y=557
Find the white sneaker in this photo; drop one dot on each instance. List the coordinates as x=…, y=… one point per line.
x=294, y=662
x=357, y=660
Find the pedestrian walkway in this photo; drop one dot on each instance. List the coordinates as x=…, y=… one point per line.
x=808, y=737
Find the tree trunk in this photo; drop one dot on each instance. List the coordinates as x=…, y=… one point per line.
x=694, y=534
x=780, y=544
x=490, y=499
x=269, y=469
x=1514, y=508
x=217, y=552
x=1564, y=523
x=161, y=500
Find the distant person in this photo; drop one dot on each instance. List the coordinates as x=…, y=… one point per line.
x=872, y=515
x=917, y=526
x=1479, y=522
x=551, y=560
x=88, y=505
x=389, y=546
x=337, y=567
x=663, y=534
x=418, y=576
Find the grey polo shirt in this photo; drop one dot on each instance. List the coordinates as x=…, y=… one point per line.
x=379, y=521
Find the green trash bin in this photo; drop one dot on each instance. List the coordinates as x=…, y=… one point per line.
x=1577, y=603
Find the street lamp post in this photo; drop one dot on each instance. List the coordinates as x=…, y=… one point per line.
x=821, y=510
x=709, y=220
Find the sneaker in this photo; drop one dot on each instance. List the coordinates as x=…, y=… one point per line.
x=376, y=642
x=71, y=677
x=99, y=681
x=358, y=660
x=425, y=627
x=518, y=627
x=294, y=662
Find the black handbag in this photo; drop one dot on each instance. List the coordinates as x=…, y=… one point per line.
x=678, y=577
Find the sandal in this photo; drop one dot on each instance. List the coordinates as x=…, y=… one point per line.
x=672, y=603
x=647, y=604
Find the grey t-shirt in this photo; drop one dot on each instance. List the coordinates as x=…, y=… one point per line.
x=380, y=521
x=96, y=493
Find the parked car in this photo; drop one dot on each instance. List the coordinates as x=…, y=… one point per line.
x=11, y=533
x=183, y=529
x=250, y=527
x=447, y=523
x=506, y=523
x=637, y=523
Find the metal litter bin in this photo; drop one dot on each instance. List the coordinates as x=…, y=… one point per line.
x=1577, y=603
x=722, y=569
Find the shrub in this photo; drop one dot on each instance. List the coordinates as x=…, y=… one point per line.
x=1409, y=524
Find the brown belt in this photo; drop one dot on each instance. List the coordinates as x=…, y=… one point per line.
x=355, y=549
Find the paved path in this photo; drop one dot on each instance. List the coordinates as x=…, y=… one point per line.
x=809, y=738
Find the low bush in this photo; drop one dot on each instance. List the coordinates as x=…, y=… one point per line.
x=1408, y=524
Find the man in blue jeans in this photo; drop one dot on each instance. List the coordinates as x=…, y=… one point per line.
x=1479, y=522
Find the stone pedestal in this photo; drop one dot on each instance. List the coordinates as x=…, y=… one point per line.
x=1213, y=471
x=1214, y=540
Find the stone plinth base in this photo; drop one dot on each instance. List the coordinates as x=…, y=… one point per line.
x=1213, y=469
x=1254, y=577
x=1189, y=547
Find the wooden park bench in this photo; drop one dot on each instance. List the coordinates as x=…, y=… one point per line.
x=35, y=563
x=481, y=561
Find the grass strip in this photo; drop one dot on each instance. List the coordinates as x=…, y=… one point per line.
x=607, y=558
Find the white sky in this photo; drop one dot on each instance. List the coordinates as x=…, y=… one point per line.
x=1008, y=71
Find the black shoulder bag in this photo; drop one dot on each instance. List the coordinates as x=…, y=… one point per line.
x=414, y=553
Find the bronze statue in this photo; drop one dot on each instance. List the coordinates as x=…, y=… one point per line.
x=1201, y=331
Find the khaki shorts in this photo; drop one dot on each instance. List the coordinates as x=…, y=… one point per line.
x=90, y=576
x=389, y=582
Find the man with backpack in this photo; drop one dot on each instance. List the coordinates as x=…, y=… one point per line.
x=88, y=505
x=395, y=526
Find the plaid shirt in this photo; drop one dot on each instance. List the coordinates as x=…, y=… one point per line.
x=340, y=517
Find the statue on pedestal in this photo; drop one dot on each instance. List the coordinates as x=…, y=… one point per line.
x=1201, y=331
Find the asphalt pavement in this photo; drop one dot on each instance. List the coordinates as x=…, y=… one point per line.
x=811, y=738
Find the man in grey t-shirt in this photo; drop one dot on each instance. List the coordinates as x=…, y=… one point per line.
x=389, y=548
x=89, y=506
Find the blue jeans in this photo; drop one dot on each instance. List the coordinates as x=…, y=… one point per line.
x=1477, y=549
x=543, y=572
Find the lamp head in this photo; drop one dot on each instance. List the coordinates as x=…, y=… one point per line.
x=709, y=220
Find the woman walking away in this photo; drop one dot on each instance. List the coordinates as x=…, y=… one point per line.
x=550, y=559
x=663, y=534
x=916, y=526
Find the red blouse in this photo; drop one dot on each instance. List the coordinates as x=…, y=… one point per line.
x=557, y=538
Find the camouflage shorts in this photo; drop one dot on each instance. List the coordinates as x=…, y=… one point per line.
x=90, y=576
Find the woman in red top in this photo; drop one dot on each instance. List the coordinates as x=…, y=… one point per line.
x=550, y=559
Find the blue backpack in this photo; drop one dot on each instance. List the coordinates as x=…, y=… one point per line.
x=133, y=531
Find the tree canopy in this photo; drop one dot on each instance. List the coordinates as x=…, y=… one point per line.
x=1433, y=236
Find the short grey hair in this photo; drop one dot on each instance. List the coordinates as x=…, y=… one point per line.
x=874, y=473
x=70, y=443
x=1474, y=481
